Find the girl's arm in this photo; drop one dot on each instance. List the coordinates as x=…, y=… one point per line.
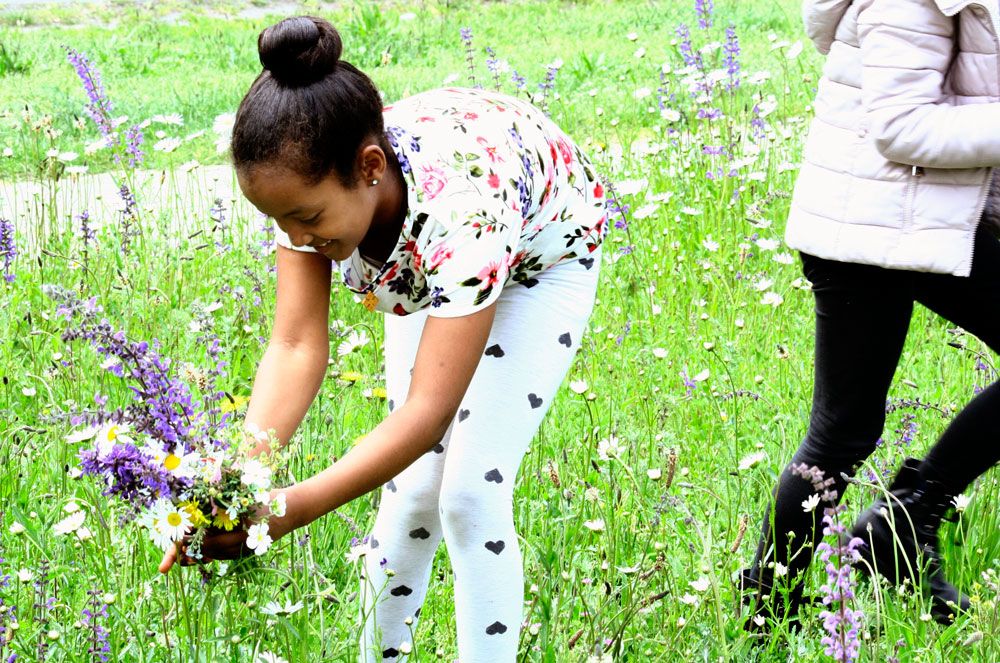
x=447, y=357
x=907, y=49
x=293, y=366
x=821, y=18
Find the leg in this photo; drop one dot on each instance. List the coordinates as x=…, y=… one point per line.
x=537, y=331
x=969, y=446
x=862, y=315
x=407, y=529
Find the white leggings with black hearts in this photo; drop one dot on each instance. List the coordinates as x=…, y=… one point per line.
x=462, y=490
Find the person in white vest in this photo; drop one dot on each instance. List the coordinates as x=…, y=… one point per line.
x=888, y=211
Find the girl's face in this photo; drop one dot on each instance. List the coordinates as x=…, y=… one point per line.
x=327, y=216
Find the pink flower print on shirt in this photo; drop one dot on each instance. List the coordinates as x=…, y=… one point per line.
x=565, y=150
x=491, y=150
x=493, y=180
x=441, y=254
x=432, y=182
x=491, y=274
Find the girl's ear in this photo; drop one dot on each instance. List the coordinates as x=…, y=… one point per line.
x=372, y=163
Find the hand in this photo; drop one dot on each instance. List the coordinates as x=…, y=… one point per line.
x=219, y=544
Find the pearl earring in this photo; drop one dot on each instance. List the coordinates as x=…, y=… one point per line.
x=374, y=182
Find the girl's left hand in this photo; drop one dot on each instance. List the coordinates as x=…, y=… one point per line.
x=219, y=544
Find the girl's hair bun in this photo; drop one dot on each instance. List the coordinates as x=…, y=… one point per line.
x=299, y=50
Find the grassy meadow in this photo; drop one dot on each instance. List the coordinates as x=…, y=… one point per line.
x=640, y=498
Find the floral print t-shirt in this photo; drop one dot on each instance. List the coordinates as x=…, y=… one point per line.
x=497, y=194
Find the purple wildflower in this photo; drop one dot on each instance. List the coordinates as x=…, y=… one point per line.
x=704, y=9
x=8, y=249
x=494, y=67
x=689, y=384
x=691, y=57
x=548, y=86
x=133, y=145
x=470, y=62
x=94, y=614
x=519, y=81
x=130, y=218
x=8, y=616
x=98, y=105
x=709, y=113
x=732, y=57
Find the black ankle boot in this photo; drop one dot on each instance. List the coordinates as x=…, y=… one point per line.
x=899, y=532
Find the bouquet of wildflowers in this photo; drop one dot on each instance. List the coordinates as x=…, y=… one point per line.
x=181, y=466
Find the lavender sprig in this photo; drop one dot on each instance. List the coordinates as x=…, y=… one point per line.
x=470, y=61
x=691, y=57
x=98, y=105
x=493, y=64
x=704, y=9
x=840, y=620
x=94, y=618
x=8, y=249
x=732, y=57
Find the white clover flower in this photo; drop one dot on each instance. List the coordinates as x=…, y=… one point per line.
x=8, y=152
x=660, y=353
x=701, y=584
x=69, y=524
x=258, y=540
x=356, y=339
x=16, y=528
x=688, y=599
x=596, y=525
x=579, y=386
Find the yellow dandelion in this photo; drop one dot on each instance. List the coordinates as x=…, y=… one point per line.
x=234, y=403
x=198, y=518
x=350, y=376
x=223, y=521
x=378, y=392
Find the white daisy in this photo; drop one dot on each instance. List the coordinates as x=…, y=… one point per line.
x=69, y=524
x=356, y=339
x=180, y=463
x=167, y=523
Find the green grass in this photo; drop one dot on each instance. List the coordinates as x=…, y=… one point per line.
x=622, y=588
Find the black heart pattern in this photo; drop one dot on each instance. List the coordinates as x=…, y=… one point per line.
x=391, y=652
x=495, y=547
x=416, y=613
x=496, y=627
x=587, y=262
x=494, y=351
x=392, y=405
x=535, y=401
x=391, y=486
x=402, y=590
x=374, y=543
x=529, y=283
x=566, y=339
x=438, y=448
x=494, y=475
x=463, y=415
x=419, y=533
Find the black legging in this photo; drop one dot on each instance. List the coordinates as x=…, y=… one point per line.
x=862, y=316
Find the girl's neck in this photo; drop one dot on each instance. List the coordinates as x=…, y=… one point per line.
x=387, y=224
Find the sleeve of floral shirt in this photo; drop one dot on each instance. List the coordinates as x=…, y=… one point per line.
x=465, y=250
